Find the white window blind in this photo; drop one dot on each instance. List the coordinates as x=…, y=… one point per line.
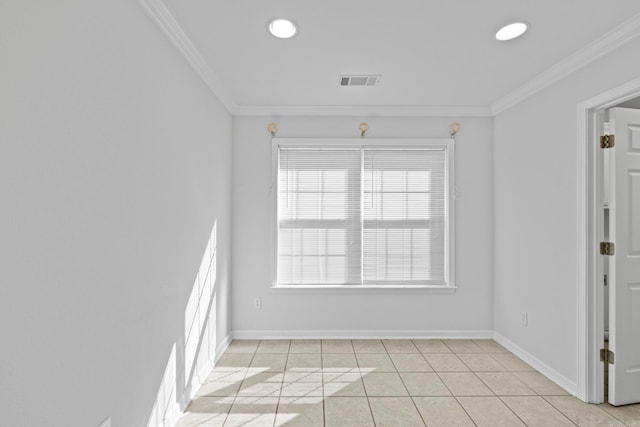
x=404, y=216
x=362, y=215
x=319, y=216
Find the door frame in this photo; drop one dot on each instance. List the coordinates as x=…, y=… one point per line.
x=590, y=301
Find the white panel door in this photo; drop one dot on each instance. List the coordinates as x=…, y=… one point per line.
x=624, y=302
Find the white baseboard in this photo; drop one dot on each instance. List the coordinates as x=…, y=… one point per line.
x=223, y=347
x=537, y=364
x=364, y=334
x=204, y=371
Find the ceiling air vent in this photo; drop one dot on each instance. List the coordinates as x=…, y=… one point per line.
x=359, y=80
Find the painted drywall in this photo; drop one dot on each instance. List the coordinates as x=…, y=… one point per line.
x=317, y=313
x=114, y=170
x=633, y=103
x=535, y=193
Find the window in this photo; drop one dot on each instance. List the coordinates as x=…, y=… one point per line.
x=355, y=213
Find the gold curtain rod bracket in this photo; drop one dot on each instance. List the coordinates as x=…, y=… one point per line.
x=363, y=127
x=455, y=128
x=272, y=127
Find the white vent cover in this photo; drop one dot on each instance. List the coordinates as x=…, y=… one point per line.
x=358, y=80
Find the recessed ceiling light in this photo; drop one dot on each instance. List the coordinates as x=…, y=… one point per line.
x=511, y=31
x=282, y=28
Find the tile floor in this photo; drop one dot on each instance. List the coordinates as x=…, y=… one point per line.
x=386, y=383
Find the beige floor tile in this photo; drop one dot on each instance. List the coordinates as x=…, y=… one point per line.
x=375, y=362
x=479, y=362
x=305, y=346
x=300, y=413
x=340, y=362
x=226, y=375
x=349, y=384
x=221, y=400
x=218, y=368
x=269, y=362
x=465, y=384
x=489, y=412
x=341, y=375
x=395, y=412
x=424, y=384
x=535, y=411
x=505, y=384
x=257, y=375
x=400, y=346
x=256, y=400
x=243, y=346
x=337, y=346
x=511, y=362
x=446, y=363
x=490, y=346
x=295, y=361
x=541, y=384
x=204, y=411
x=384, y=384
x=347, y=411
x=350, y=375
x=301, y=389
x=261, y=390
x=200, y=419
x=300, y=400
x=368, y=346
x=251, y=415
x=273, y=346
x=249, y=384
x=234, y=360
x=261, y=385
x=583, y=414
x=431, y=346
x=629, y=414
x=218, y=388
x=442, y=412
x=210, y=404
x=463, y=346
x=410, y=363
x=303, y=375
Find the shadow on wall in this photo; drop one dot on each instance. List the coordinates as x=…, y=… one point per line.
x=192, y=356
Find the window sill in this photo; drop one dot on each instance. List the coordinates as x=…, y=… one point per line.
x=364, y=289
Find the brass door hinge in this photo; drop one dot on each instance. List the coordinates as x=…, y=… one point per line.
x=607, y=141
x=607, y=356
x=607, y=248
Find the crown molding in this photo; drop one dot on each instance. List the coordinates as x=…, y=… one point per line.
x=612, y=40
x=620, y=35
x=160, y=13
x=364, y=110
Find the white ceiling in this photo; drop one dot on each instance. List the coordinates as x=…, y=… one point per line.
x=429, y=52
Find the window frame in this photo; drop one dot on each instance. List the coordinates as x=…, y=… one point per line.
x=445, y=144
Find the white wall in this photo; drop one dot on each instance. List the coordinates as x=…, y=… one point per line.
x=314, y=311
x=114, y=167
x=535, y=210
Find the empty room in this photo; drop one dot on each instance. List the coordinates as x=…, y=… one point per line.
x=343, y=213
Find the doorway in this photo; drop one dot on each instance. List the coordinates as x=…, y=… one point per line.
x=597, y=218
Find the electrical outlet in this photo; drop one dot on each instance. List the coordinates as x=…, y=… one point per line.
x=106, y=423
x=257, y=303
x=524, y=318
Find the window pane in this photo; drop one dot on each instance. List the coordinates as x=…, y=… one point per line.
x=404, y=223
x=319, y=216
